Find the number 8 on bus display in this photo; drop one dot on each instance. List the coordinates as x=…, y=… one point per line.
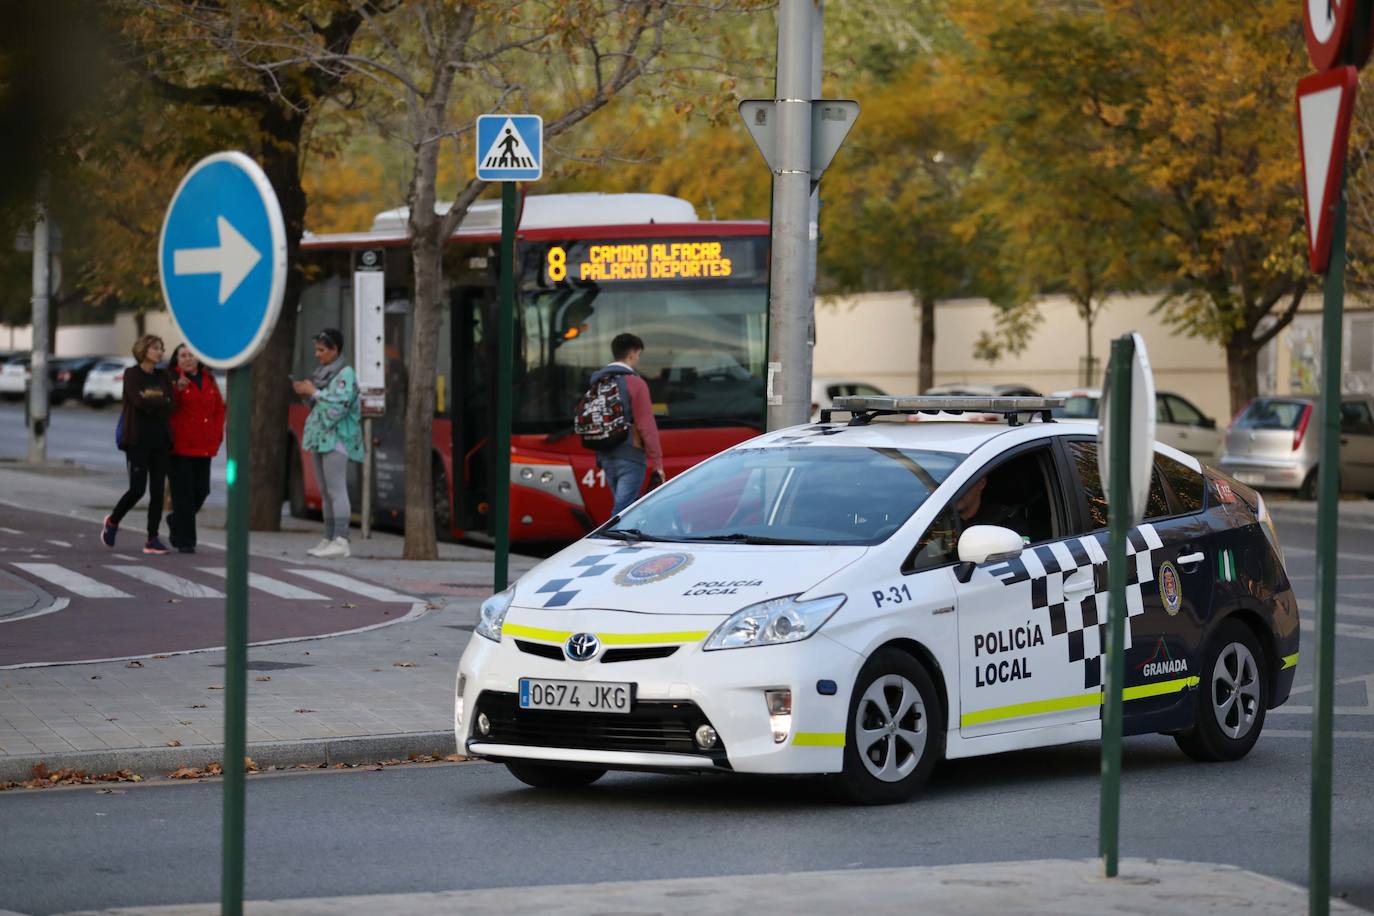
x=589, y=267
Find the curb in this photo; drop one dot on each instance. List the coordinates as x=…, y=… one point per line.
x=159, y=761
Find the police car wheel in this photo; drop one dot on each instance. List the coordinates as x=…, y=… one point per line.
x=546, y=776
x=895, y=732
x=1231, y=698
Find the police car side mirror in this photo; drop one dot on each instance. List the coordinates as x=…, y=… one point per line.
x=988, y=543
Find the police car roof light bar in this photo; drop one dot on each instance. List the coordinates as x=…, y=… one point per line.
x=863, y=409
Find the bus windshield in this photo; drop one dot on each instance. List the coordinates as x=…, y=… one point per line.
x=704, y=356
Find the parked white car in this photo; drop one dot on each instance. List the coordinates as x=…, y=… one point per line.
x=1178, y=422
x=105, y=383
x=824, y=391
x=14, y=378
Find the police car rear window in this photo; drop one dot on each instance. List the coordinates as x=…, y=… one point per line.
x=810, y=494
x=1186, y=483
x=1085, y=459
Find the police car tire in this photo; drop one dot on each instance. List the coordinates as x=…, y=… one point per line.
x=549, y=776
x=1206, y=741
x=855, y=783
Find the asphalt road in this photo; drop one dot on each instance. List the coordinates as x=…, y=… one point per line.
x=117, y=603
x=471, y=825
x=85, y=435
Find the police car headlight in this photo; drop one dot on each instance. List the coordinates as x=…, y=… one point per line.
x=493, y=614
x=773, y=622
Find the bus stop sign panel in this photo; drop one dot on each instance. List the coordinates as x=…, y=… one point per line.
x=222, y=259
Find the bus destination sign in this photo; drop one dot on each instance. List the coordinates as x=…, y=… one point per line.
x=662, y=260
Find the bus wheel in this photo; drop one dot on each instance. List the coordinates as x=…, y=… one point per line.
x=443, y=507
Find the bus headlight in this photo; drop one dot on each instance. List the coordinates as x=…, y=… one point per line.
x=774, y=622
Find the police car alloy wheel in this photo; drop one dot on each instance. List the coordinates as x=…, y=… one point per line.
x=895, y=730
x=544, y=776
x=1231, y=699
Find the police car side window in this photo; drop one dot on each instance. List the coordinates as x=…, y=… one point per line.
x=1184, y=481
x=938, y=546
x=1085, y=462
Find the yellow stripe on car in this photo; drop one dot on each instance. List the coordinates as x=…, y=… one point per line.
x=609, y=639
x=1078, y=701
x=818, y=739
x=1289, y=661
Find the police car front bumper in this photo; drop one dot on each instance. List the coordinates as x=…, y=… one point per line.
x=672, y=697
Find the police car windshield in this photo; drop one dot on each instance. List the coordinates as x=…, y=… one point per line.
x=812, y=494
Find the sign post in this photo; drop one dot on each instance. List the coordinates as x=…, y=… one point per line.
x=510, y=148
x=369, y=301
x=222, y=263
x=1340, y=37
x=1125, y=454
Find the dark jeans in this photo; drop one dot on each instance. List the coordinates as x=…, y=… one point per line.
x=147, y=471
x=190, y=485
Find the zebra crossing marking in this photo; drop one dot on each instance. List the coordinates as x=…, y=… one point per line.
x=375, y=592
x=72, y=581
x=182, y=588
x=271, y=586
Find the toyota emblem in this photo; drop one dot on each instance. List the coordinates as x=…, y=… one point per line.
x=582, y=647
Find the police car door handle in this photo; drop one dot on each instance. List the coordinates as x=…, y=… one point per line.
x=1080, y=585
x=1191, y=559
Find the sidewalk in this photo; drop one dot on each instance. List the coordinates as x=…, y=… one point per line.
x=1062, y=887
x=376, y=695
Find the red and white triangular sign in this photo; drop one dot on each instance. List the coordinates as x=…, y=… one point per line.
x=1326, y=102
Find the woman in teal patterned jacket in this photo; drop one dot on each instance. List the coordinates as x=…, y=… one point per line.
x=333, y=436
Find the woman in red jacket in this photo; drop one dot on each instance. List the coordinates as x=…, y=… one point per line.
x=197, y=432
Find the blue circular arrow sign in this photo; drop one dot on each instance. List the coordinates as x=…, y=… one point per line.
x=222, y=259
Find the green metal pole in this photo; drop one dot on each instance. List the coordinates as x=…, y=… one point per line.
x=505, y=346
x=1328, y=496
x=1118, y=523
x=236, y=638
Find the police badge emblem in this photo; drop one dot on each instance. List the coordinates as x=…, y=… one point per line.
x=1170, y=588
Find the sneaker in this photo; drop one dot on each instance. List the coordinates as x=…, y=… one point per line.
x=108, y=530
x=155, y=546
x=337, y=548
x=315, y=551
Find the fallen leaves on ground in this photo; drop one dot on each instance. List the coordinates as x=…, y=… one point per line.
x=380, y=764
x=174, y=743
x=403, y=664
x=215, y=687
x=197, y=705
x=41, y=778
x=211, y=769
x=263, y=677
x=134, y=664
x=302, y=710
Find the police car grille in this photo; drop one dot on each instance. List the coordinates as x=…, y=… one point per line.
x=636, y=655
x=541, y=649
x=650, y=727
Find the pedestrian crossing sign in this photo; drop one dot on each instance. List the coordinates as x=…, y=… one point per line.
x=510, y=147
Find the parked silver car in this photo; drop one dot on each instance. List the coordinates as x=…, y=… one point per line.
x=1178, y=422
x=1273, y=443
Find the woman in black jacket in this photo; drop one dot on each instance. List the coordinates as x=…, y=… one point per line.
x=146, y=438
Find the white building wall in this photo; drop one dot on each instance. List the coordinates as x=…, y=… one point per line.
x=875, y=337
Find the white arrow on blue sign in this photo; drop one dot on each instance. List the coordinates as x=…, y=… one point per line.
x=510, y=147
x=222, y=259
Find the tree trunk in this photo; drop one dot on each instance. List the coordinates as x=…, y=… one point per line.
x=926, y=378
x=1089, y=370
x=427, y=256
x=1242, y=372
x=271, y=395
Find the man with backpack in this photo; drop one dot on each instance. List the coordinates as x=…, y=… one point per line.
x=615, y=418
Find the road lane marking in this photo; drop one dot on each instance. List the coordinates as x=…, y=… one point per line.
x=367, y=590
x=182, y=588
x=10, y=530
x=1342, y=629
x=72, y=581
x=271, y=586
x=59, y=543
x=1299, y=733
x=1307, y=552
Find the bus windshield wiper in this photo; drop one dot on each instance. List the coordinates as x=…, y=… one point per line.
x=739, y=537
x=627, y=534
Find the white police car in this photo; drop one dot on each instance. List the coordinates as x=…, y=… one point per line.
x=862, y=598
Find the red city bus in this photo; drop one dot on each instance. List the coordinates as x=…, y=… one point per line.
x=588, y=267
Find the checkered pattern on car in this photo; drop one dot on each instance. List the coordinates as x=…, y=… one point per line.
x=1082, y=617
x=561, y=591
